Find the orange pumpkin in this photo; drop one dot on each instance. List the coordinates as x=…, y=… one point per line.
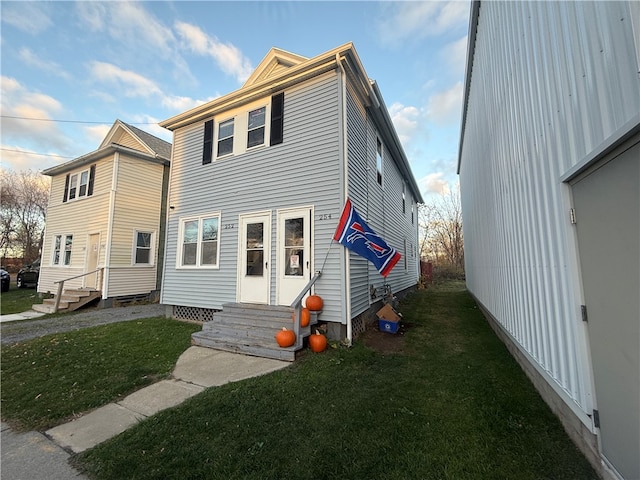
x=305, y=317
x=317, y=342
x=314, y=303
x=285, y=338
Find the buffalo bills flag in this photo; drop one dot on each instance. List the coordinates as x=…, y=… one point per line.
x=355, y=234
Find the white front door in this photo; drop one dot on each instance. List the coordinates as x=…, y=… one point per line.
x=294, y=253
x=254, y=254
x=91, y=281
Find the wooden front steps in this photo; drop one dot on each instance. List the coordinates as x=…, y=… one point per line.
x=70, y=300
x=250, y=329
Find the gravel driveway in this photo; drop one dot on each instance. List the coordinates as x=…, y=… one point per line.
x=12, y=332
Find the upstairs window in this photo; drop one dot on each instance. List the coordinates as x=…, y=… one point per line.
x=225, y=138
x=379, y=161
x=245, y=128
x=255, y=127
x=404, y=197
x=79, y=185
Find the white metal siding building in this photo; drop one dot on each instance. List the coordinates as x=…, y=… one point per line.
x=552, y=96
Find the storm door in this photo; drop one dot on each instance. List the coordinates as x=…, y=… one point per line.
x=293, y=256
x=254, y=255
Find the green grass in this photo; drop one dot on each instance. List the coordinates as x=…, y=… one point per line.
x=51, y=379
x=18, y=300
x=453, y=405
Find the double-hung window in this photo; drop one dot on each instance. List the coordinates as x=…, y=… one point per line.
x=255, y=127
x=79, y=185
x=379, y=160
x=200, y=241
x=62, y=249
x=143, y=248
x=225, y=137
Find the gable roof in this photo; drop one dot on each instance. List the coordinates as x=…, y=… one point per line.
x=273, y=64
x=124, y=138
x=280, y=69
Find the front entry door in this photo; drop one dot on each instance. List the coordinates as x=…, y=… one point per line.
x=294, y=253
x=254, y=255
x=92, y=261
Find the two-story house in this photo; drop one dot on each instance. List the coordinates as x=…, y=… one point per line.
x=259, y=178
x=104, y=230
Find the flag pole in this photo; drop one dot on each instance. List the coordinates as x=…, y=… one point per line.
x=327, y=254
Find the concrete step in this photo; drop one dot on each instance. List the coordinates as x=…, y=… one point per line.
x=45, y=308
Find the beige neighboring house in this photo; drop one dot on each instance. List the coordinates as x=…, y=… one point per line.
x=104, y=232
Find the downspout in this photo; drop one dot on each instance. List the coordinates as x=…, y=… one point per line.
x=345, y=191
x=112, y=202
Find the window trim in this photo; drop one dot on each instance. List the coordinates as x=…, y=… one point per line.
x=134, y=255
x=77, y=177
x=263, y=126
x=180, y=243
x=62, y=251
x=231, y=120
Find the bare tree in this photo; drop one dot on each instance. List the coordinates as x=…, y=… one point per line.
x=23, y=205
x=441, y=230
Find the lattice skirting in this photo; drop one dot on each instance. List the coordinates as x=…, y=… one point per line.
x=358, y=325
x=196, y=314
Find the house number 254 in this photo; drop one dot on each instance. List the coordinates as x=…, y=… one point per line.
x=324, y=216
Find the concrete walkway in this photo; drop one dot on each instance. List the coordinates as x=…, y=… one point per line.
x=35, y=456
x=28, y=315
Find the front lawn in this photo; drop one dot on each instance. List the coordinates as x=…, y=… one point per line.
x=51, y=379
x=18, y=300
x=452, y=404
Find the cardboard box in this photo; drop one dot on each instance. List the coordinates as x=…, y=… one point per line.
x=388, y=319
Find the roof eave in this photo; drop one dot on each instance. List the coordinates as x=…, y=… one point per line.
x=471, y=48
x=314, y=66
x=99, y=155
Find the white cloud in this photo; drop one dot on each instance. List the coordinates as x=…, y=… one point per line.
x=419, y=19
x=131, y=84
x=456, y=55
x=18, y=159
x=18, y=101
x=30, y=17
x=30, y=58
x=435, y=183
x=228, y=57
x=445, y=107
x=96, y=133
x=405, y=120
x=92, y=15
x=182, y=104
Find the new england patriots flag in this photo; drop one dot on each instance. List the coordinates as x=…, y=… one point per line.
x=355, y=234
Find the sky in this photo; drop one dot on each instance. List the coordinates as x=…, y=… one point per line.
x=70, y=69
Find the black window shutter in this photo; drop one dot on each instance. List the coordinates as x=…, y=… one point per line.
x=66, y=188
x=277, y=118
x=92, y=175
x=207, y=148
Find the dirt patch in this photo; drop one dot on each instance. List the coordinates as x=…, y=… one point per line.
x=382, y=341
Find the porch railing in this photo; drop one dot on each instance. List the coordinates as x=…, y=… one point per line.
x=61, y=285
x=297, y=307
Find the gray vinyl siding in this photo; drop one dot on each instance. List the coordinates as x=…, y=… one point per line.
x=302, y=171
x=381, y=207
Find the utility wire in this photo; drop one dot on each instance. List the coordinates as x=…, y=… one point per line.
x=34, y=153
x=70, y=121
